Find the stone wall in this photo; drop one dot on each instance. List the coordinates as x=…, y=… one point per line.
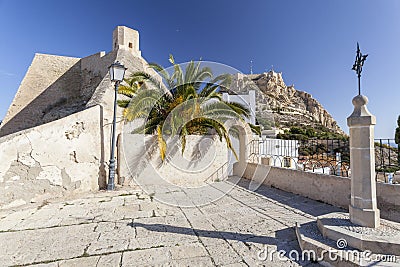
x=56, y=86
x=57, y=158
x=50, y=81
x=140, y=160
x=334, y=190
x=388, y=198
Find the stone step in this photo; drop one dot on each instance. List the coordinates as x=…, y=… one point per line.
x=329, y=252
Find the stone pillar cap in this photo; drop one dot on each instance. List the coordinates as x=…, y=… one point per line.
x=360, y=100
x=361, y=116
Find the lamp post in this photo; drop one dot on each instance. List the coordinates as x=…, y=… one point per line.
x=117, y=72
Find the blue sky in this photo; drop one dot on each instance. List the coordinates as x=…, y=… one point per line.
x=312, y=42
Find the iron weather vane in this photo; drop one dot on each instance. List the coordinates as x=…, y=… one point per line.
x=358, y=64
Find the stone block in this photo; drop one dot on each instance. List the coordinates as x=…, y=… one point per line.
x=364, y=217
x=150, y=257
x=362, y=137
x=188, y=251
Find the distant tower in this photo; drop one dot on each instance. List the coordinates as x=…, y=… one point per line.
x=127, y=39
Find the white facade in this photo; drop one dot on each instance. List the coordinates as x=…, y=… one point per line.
x=248, y=101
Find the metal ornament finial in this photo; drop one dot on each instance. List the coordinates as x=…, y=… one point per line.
x=251, y=66
x=358, y=64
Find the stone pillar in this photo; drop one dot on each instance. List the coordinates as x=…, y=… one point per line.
x=363, y=208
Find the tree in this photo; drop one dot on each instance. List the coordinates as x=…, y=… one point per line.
x=180, y=104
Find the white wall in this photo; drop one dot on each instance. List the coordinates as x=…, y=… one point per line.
x=203, y=156
x=334, y=190
x=63, y=155
x=248, y=101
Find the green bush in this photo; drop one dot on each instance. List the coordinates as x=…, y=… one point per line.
x=388, y=169
x=306, y=133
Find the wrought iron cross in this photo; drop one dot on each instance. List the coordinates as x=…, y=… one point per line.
x=358, y=64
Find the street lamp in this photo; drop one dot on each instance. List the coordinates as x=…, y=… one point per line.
x=117, y=72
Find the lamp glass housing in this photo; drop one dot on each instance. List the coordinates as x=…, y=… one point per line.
x=117, y=72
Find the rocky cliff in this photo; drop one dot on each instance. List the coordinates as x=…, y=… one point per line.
x=288, y=105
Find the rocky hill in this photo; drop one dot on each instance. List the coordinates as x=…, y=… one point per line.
x=285, y=104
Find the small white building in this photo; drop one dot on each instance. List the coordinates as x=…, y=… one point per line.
x=248, y=100
x=274, y=152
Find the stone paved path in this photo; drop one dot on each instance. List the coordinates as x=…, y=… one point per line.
x=128, y=228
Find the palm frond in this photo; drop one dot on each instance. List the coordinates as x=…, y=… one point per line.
x=209, y=90
x=171, y=59
x=188, y=92
x=160, y=70
x=203, y=74
x=229, y=144
x=255, y=128
x=234, y=132
x=238, y=108
x=219, y=109
x=224, y=80
x=148, y=127
x=141, y=104
x=182, y=136
x=189, y=71
x=178, y=75
x=123, y=103
x=126, y=91
x=162, y=145
x=218, y=127
x=152, y=82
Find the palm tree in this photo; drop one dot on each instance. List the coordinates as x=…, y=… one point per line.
x=180, y=104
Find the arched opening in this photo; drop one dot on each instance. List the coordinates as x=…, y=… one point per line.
x=241, y=136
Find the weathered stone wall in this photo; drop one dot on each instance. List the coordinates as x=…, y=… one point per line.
x=49, y=82
x=388, y=198
x=53, y=159
x=140, y=159
x=334, y=190
x=93, y=70
x=55, y=87
x=127, y=39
